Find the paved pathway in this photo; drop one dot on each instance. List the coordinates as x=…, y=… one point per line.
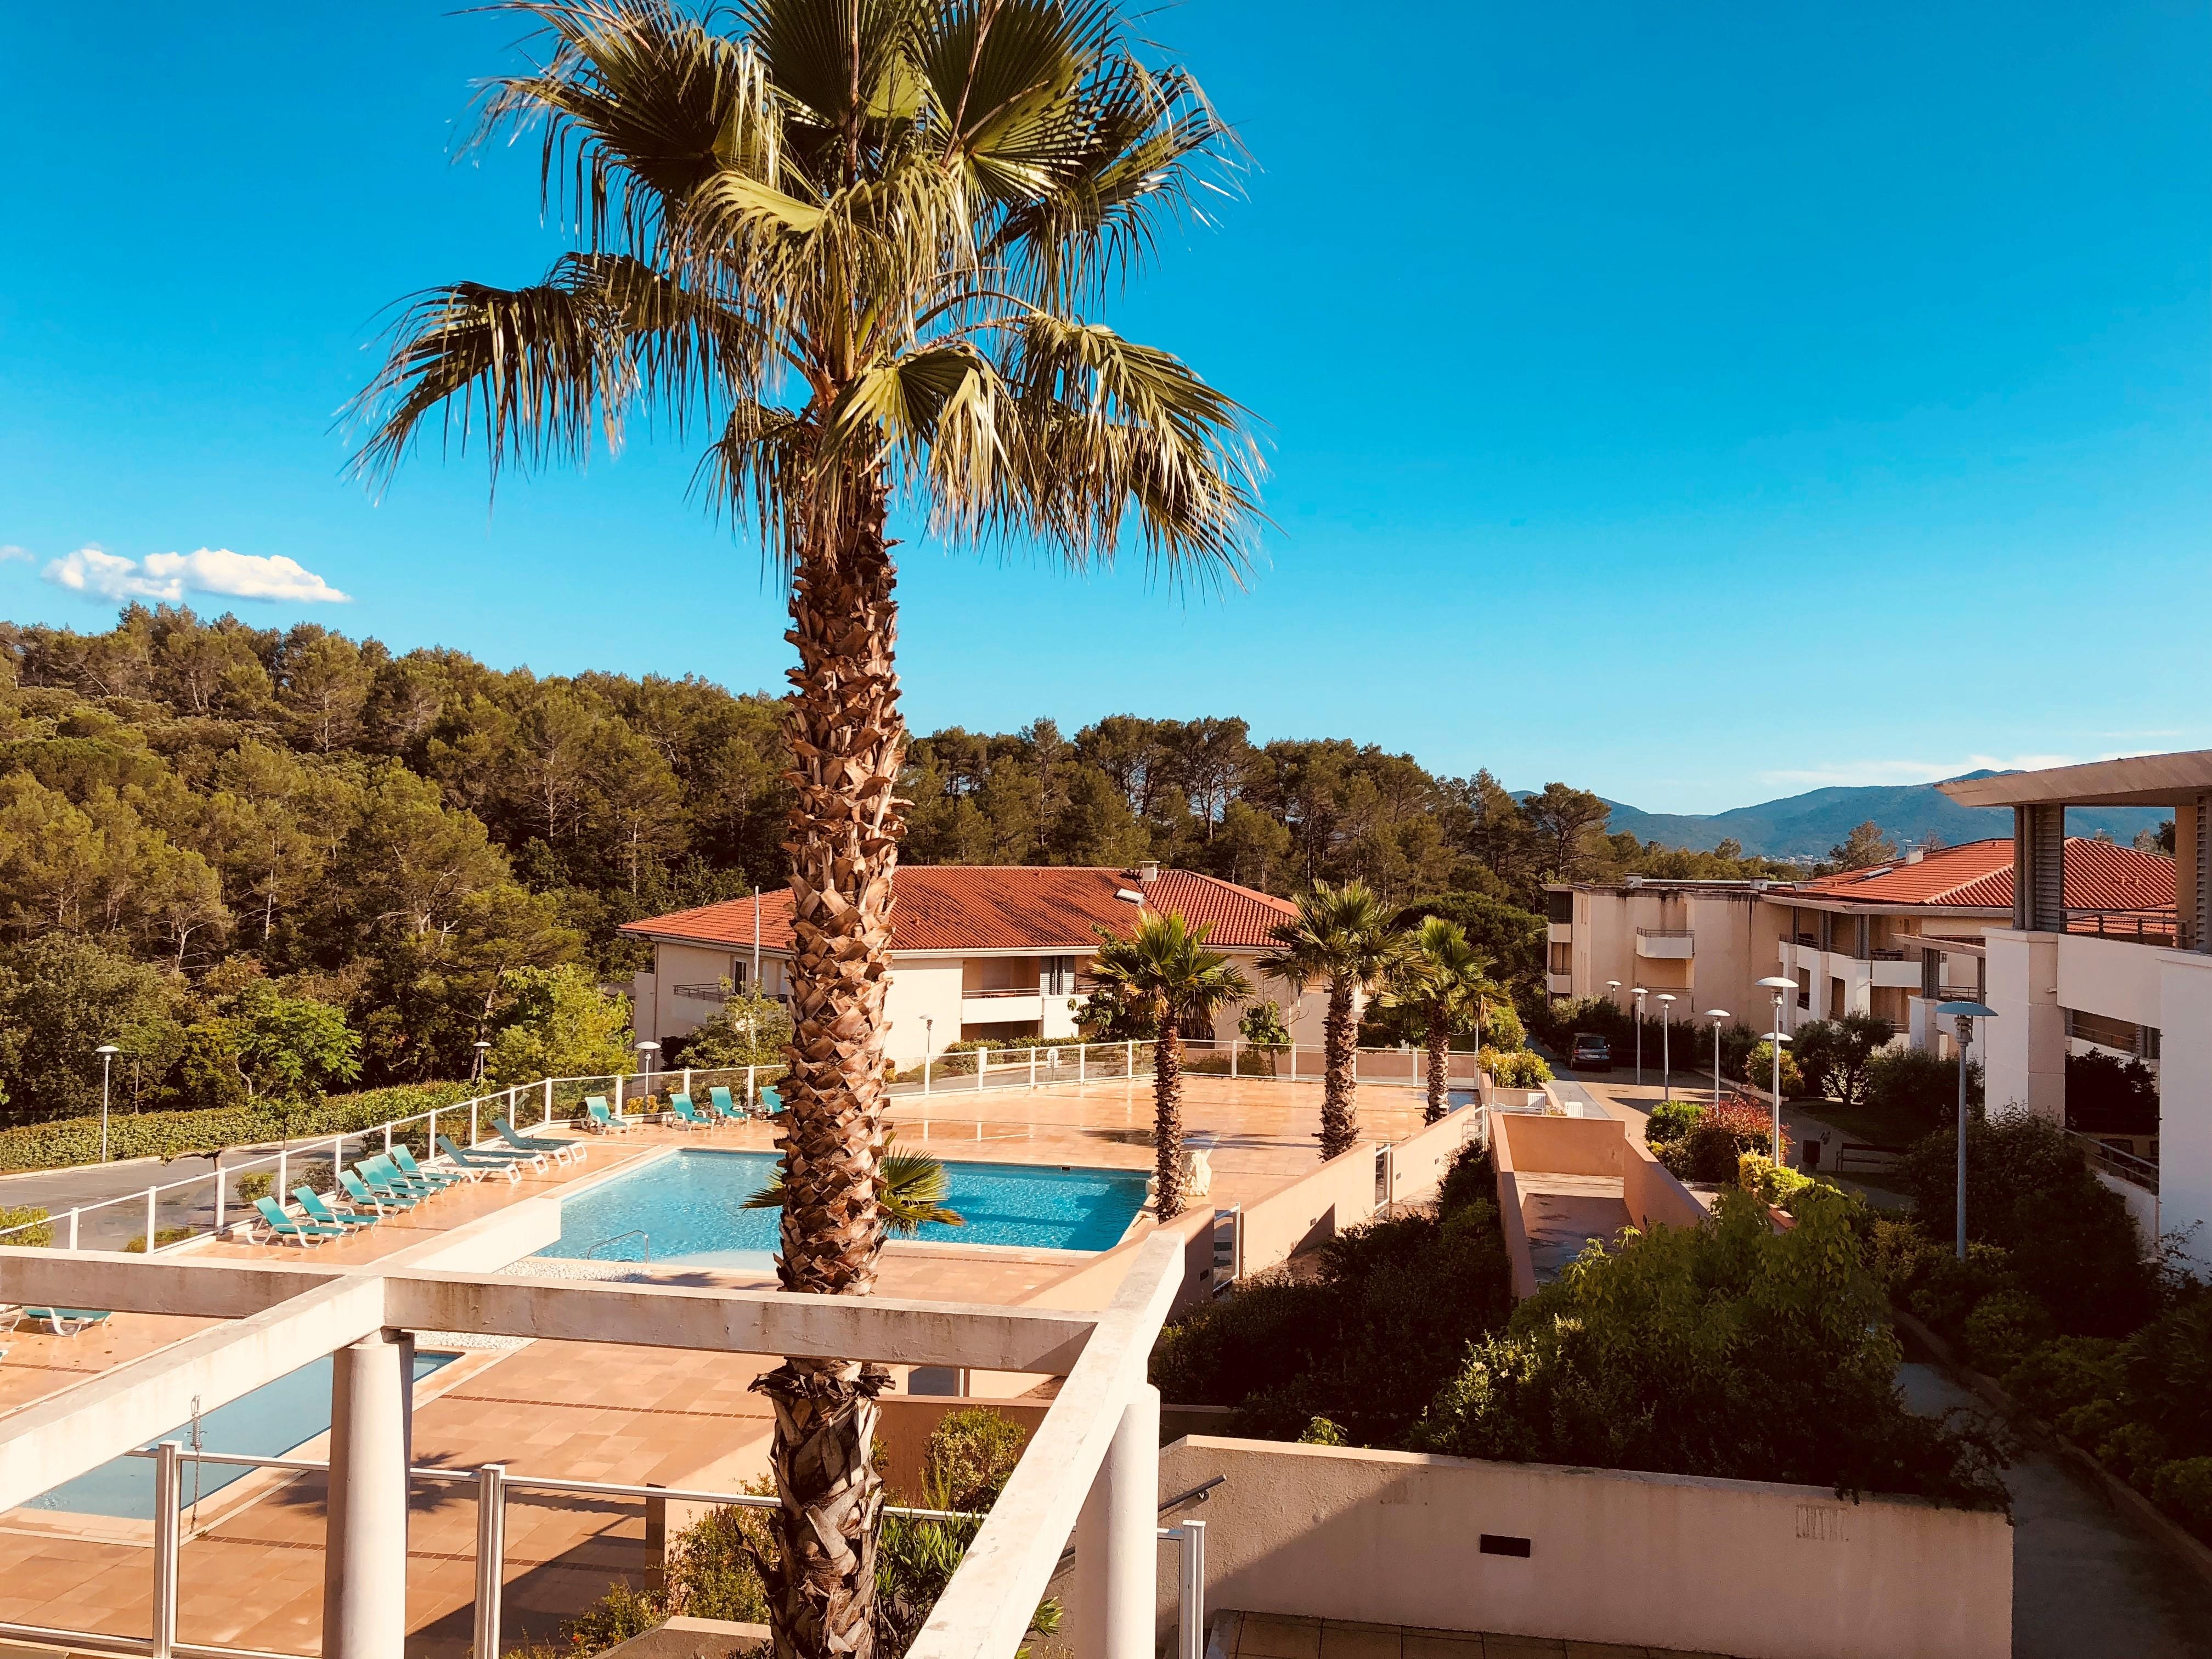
x=2086, y=1583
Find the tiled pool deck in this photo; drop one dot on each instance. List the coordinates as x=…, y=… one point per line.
x=253, y=1578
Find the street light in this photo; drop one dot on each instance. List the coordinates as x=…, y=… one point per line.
x=482, y=1048
x=1780, y=986
x=107, y=1052
x=1716, y=1015
x=1639, y=994
x=1666, y=1046
x=928, y=1049
x=1612, y=989
x=1967, y=1013
x=648, y=1052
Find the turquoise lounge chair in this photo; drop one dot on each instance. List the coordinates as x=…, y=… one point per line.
x=719, y=1102
x=770, y=1102
x=404, y=1161
x=686, y=1113
x=371, y=1196
x=302, y=1233
x=561, y=1151
x=381, y=1172
x=311, y=1201
x=482, y=1162
x=597, y=1116
x=66, y=1321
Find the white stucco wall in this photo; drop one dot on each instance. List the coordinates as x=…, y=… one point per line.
x=923, y=988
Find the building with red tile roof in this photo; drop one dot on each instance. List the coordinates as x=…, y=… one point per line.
x=980, y=951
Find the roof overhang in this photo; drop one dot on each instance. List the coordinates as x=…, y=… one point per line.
x=2137, y=781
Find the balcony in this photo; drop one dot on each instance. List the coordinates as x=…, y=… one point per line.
x=993, y=1006
x=2158, y=928
x=1665, y=945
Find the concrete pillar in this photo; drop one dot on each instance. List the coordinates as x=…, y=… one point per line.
x=2185, y=1110
x=365, y=1555
x=2025, y=1046
x=1116, y=1587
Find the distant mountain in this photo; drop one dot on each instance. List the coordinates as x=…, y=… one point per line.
x=1805, y=826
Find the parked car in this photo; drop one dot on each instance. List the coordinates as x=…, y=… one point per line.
x=1589, y=1053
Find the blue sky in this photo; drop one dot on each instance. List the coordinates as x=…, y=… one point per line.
x=1696, y=403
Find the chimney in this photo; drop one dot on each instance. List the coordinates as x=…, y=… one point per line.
x=1913, y=854
x=1148, y=870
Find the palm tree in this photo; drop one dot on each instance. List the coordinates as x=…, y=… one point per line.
x=850, y=242
x=1342, y=936
x=1447, y=980
x=911, y=1188
x=1165, y=973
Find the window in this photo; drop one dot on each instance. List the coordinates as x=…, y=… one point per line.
x=1559, y=908
x=1563, y=958
x=739, y=968
x=1804, y=987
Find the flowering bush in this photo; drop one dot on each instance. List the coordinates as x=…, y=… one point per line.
x=1709, y=1148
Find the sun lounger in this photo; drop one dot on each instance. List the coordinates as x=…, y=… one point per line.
x=687, y=1115
x=770, y=1102
x=481, y=1163
x=312, y=1202
x=720, y=1102
x=561, y=1152
x=66, y=1321
x=381, y=1172
x=9, y=1318
x=404, y=1161
x=362, y=1194
x=597, y=1116
x=302, y=1233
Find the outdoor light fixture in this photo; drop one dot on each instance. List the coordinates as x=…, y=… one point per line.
x=1639, y=994
x=1666, y=1046
x=648, y=1052
x=1967, y=1013
x=482, y=1049
x=107, y=1052
x=1779, y=986
x=1716, y=1015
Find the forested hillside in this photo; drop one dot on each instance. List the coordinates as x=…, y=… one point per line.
x=265, y=861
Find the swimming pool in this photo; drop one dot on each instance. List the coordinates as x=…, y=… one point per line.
x=687, y=1207
x=272, y=1420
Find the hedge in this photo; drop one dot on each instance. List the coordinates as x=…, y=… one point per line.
x=70, y=1141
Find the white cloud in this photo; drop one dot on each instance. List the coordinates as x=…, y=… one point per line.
x=167, y=577
x=11, y=551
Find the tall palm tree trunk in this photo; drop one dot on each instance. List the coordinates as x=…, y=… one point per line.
x=846, y=742
x=1339, y=1038
x=1439, y=1065
x=1167, y=1118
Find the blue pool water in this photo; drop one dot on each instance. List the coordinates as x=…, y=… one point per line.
x=688, y=1208
x=268, y=1423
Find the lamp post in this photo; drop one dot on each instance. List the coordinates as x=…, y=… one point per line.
x=1716, y=1015
x=1613, y=990
x=107, y=1052
x=1639, y=994
x=1666, y=1046
x=1967, y=1014
x=482, y=1048
x=647, y=1052
x=1780, y=986
x=928, y=1049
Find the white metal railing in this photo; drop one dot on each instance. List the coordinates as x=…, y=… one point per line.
x=197, y=1206
x=494, y=1484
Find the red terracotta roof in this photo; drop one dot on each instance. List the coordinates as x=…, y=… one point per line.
x=982, y=907
x=2100, y=876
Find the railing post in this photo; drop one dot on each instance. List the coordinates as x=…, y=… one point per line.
x=1033, y=1055
x=1117, y=1540
x=153, y=1214
x=982, y=1065
x=1190, y=1599
x=925, y=1071
x=475, y=1133
x=432, y=1131
x=338, y=1160
x=547, y=1120
x=283, y=1162
x=1082, y=1056
x=1232, y=1072
x=387, y=1140
x=72, y=1227
x=1294, y=1062
x=491, y=1555
x=752, y=1094
x=168, y=1504
x=221, y=1194
x=1129, y=1059
x=619, y=1094
x=687, y=1082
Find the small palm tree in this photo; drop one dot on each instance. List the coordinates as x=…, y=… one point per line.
x=1343, y=938
x=1165, y=970
x=911, y=1188
x=1446, y=980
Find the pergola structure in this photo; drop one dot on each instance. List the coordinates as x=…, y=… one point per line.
x=1091, y=1469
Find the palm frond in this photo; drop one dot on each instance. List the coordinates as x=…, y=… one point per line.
x=910, y=1192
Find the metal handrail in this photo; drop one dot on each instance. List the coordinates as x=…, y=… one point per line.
x=616, y=1238
x=2137, y=1172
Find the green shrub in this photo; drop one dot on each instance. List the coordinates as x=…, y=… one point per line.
x=1712, y=1147
x=1709, y=1351
x=1366, y=1340
x=1469, y=1178
x=1897, y=1253
x=2003, y=1328
x=2107, y=1095
x=2067, y=1238
x=1670, y=1120
x=1514, y=1068
x=1913, y=1082
x=37, y=1234
x=1772, y=1183
x=161, y=1236
x=1322, y=1433
x=2184, y=1489
x=1758, y=1068
x=67, y=1141
x=1832, y=1055
x=256, y=1184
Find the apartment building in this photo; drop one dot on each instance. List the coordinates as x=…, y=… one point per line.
x=989, y=952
